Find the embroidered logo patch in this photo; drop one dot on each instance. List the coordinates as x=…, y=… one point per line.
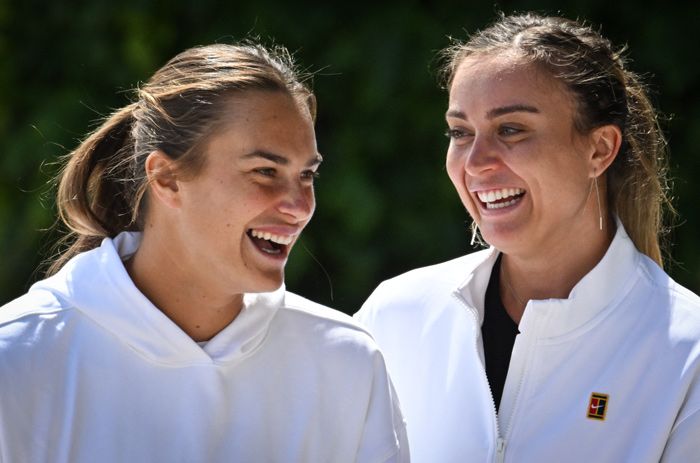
x=598, y=406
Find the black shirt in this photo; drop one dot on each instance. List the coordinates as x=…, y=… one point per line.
x=498, y=332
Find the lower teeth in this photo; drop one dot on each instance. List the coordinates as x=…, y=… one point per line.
x=501, y=205
x=266, y=246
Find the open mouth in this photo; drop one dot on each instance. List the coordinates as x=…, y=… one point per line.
x=270, y=243
x=498, y=199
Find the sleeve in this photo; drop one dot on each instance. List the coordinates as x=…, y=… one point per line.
x=403, y=455
x=684, y=443
x=384, y=438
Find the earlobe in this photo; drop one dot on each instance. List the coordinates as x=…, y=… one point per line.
x=162, y=178
x=606, y=143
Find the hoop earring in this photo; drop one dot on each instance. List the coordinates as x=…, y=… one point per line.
x=597, y=195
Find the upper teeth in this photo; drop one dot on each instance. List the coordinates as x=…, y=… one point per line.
x=279, y=239
x=495, y=195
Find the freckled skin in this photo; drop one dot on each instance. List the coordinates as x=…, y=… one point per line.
x=244, y=198
x=197, y=248
x=512, y=127
x=546, y=157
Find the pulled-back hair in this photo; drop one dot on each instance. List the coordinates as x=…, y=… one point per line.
x=605, y=92
x=101, y=188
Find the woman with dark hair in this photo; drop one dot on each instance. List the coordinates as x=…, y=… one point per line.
x=164, y=332
x=565, y=341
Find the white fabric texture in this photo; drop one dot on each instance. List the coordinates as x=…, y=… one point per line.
x=91, y=371
x=627, y=331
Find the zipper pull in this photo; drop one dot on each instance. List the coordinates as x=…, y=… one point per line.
x=500, y=450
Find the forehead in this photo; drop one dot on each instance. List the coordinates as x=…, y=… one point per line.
x=271, y=120
x=497, y=81
x=257, y=107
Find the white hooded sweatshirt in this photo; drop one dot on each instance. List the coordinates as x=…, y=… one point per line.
x=91, y=371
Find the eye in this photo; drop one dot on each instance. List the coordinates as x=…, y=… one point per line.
x=509, y=130
x=266, y=171
x=310, y=175
x=455, y=133
x=459, y=136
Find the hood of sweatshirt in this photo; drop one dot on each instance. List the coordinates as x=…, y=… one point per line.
x=97, y=284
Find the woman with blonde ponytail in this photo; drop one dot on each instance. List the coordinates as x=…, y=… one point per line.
x=164, y=332
x=565, y=341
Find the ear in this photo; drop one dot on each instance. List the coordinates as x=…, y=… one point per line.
x=606, y=144
x=162, y=178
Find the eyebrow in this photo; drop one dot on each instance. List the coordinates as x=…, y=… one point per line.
x=516, y=108
x=281, y=160
x=495, y=112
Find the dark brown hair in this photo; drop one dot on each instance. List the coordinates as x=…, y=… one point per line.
x=101, y=188
x=605, y=92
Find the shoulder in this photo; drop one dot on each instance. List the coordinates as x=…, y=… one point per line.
x=427, y=283
x=686, y=302
x=309, y=313
x=673, y=310
x=327, y=335
x=447, y=274
x=677, y=298
x=37, y=303
x=30, y=327
x=408, y=302
x=450, y=272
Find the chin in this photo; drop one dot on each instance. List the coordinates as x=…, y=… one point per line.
x=502, y=239
x=267, y=283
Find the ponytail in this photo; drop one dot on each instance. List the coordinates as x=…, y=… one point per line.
x=93, y=200
x=638, y=182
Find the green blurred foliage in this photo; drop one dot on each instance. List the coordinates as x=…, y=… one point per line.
x=385, y=204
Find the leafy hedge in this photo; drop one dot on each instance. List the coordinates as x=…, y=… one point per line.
x=385, y=204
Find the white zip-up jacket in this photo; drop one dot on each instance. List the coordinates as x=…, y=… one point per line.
x=611, y=374
x=91, y=371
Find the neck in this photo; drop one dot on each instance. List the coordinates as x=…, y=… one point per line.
x=188, y=302
x=551, y=274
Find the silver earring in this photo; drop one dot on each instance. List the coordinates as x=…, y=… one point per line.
x=597, y=195
x=475, y=229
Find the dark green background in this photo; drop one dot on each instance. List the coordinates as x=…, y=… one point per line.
x=385, y=204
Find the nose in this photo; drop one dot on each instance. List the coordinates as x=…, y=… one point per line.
x=298, y=202
x=482, y=156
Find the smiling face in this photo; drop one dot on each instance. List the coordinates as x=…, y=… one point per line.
x=521, y=169
x=237, y=219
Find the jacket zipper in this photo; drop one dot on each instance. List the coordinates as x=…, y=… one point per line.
x=514, y=409
x=500, y=450
x=500, y=453
x=521, y=377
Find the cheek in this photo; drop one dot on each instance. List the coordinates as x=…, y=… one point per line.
x=567, y=174
x=559, y=190
x=455, y=170
x=312, y=202
x=457, y=174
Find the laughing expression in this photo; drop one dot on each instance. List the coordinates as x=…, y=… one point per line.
x=244, y=210
x=520, y=167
